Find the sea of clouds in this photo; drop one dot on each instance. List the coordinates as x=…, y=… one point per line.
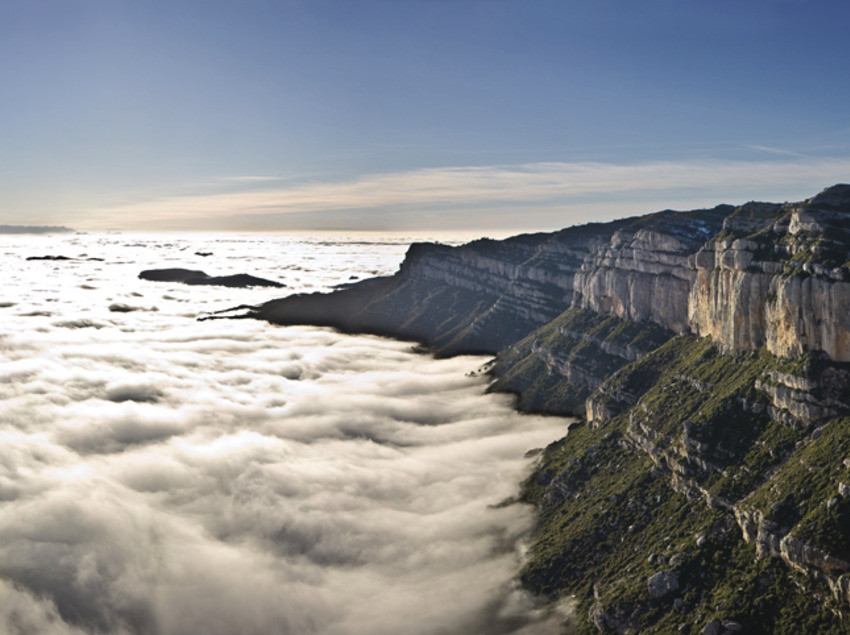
x=164, y=475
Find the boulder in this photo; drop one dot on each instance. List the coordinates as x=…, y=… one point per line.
x=712, y=628
x=663, y=583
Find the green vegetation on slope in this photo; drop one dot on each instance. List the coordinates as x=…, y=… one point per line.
x=798, y=495
x=624, y=500
x=555, y=368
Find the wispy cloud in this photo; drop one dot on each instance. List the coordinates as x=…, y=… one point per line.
x=452, y=188
x=252, y=179
x=772, y=150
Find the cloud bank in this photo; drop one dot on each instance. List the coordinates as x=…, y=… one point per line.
x=160, y=475
x=544, y=192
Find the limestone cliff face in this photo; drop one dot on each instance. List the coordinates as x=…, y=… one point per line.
x=772, y=275
x=523, y=273
x=811, y=313
x=644, y=275
x=782, y=284
x=759, y=274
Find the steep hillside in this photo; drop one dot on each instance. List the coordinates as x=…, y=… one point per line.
x=709, y=354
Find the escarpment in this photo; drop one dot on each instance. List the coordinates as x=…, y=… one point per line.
x=709, y=355
x=757, y=275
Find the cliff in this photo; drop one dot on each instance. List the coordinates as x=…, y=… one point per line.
x=709, y=353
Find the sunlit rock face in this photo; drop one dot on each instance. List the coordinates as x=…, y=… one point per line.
x=809, y=314
x=748, y=276
x=728, y=305
x=783, y=285
x=643, y=275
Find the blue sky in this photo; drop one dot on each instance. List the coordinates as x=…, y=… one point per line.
x=416, y=114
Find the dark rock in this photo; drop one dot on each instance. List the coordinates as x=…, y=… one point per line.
x=192, y=277
x=173, y=275
x=122, y=308
x=712, y=628
x=507, y=502
x=78, y=324
x=52, y=257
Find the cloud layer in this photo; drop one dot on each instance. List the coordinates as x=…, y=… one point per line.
x=421, y=198
x=160, y=475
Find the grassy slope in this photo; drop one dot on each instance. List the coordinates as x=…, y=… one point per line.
x=523, y=370
x=609, y=519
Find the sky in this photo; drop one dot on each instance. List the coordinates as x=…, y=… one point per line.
x=414, y=115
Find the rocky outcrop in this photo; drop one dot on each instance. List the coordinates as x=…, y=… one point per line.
x=772, y=539
x=662, y=583
x=794, y=399
x=189, y=276
x=53, y=257
x=782, y=283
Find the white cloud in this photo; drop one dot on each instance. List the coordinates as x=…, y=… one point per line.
x=145, y=486
x=443, y=190
x=780, y=151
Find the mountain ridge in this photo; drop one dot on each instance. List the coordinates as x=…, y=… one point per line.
x=34, y=229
